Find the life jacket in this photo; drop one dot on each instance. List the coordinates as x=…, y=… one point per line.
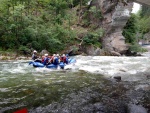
x=56, y=61
x=61, y=59
x=43, y=57
x=64, y=59
x=46, y=59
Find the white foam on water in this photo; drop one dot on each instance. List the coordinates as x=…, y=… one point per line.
x=4, y=89
x=106, y=65
x=113, y=65
x=18, y=70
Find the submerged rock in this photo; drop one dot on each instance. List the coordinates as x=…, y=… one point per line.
x=132, y=108
x=118, y=78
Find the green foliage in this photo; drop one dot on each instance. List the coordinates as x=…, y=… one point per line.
x=137, y=24
x=145, y=11
x=96, y=12
x=1, y=49
x=77, y=2
x=130, y=30
x=137, y=48
x=37, y=24
x=144, y=25
x=93, y=37
x=24, y=48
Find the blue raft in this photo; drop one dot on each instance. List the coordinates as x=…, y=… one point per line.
x=61, y=64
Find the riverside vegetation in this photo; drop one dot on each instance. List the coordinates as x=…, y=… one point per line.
x=55, y=25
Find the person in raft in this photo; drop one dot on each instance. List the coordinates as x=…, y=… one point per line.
x=46, y=59
x=64, y=59
x=35, y=57
x=56, y=59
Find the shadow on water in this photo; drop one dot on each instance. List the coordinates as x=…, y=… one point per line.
x=68, y=92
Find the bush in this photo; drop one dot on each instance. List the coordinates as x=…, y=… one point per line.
x=96, y=12
x=130, y=30
x=36, y=45
x=137, y=48
x=24, y=48
x=93, y=38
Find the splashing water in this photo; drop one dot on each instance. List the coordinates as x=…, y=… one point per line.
x=20, y=82
x=111, y=66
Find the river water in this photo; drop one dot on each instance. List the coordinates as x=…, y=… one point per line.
x=88, y=86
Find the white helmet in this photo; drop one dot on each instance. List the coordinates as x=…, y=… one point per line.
x=34, y=51
x=46, y=54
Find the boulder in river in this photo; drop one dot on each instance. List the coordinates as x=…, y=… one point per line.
x=132, y=108
x=118, y=78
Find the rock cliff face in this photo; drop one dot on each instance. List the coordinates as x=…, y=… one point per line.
x=115, y=15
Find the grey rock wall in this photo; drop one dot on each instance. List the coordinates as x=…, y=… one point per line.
x=115, y=16
x=114, y=40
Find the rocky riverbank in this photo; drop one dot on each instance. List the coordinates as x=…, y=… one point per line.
x=103, y=96
x=6, y=56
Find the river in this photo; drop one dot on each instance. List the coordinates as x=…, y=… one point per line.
x=88, y=86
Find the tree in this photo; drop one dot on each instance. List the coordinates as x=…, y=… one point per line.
x=144, y=20
x=130, y=30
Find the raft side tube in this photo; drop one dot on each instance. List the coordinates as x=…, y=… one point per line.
x=72, y=60
x=38, y=64
x=52, y=66
x=31, y=62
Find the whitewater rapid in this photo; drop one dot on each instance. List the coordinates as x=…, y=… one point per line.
x=109, y=66
x=112, y=66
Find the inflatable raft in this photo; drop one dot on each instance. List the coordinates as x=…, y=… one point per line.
x=61, y=64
